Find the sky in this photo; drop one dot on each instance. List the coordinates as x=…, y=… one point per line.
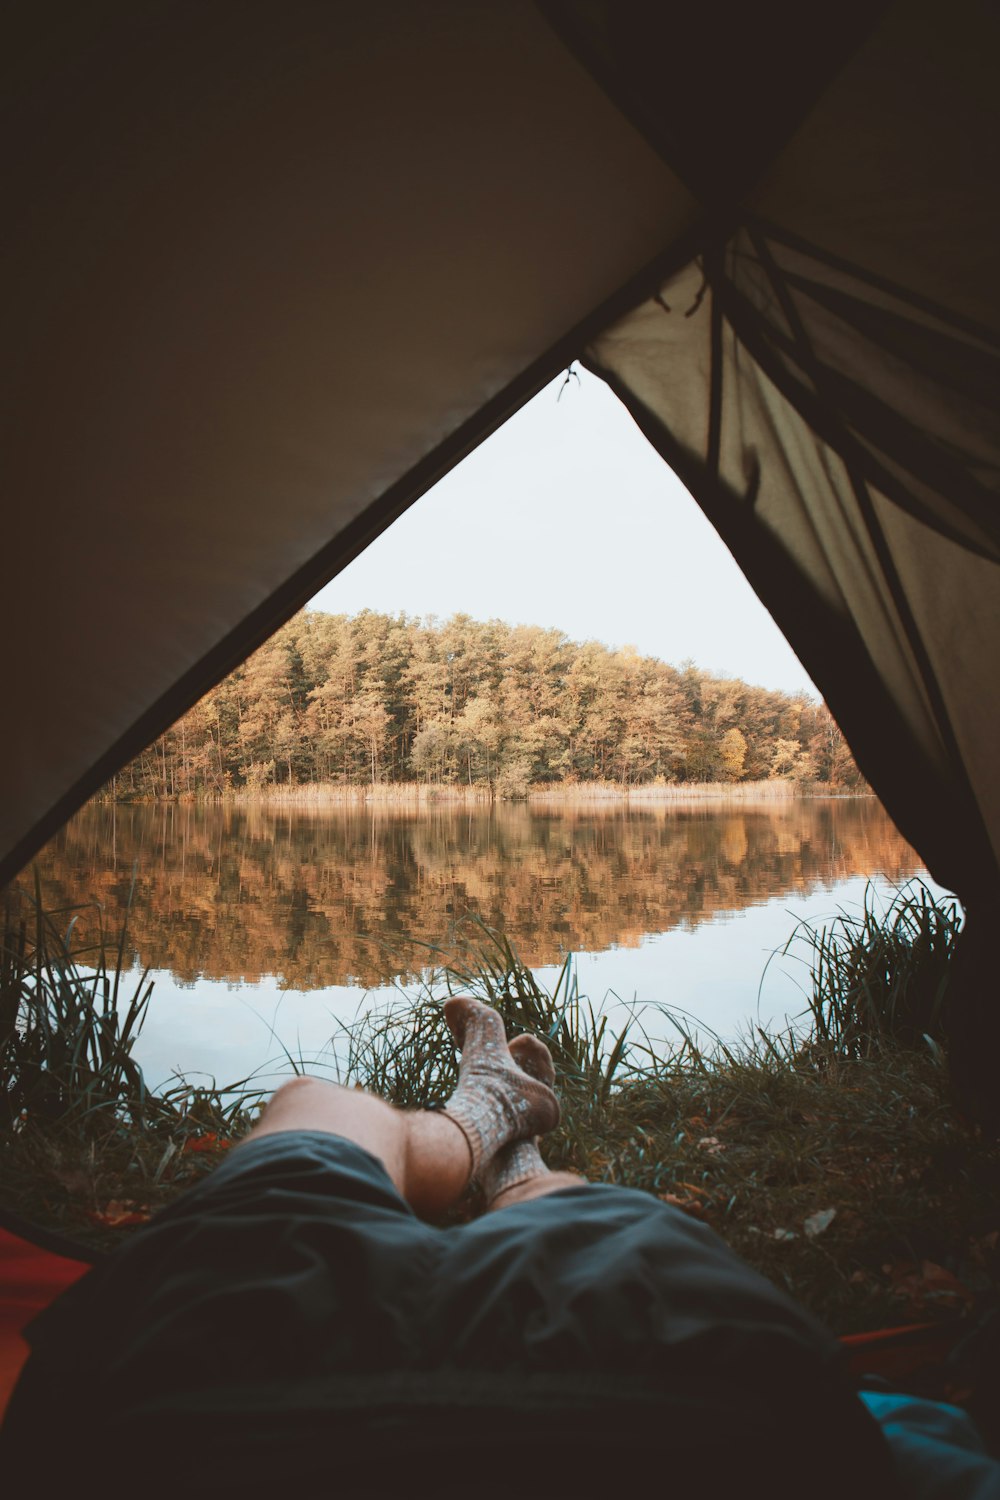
x=566, y=517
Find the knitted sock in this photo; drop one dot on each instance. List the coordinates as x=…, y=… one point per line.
x=496, y=1101
x=521, y=1160
x=507, y=1168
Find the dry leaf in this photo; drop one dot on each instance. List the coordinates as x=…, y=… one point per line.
x=209, y=1141
x=711, y=1144
x=927, y=1286
x=983, y=1248
x=686, y=1205
x=818, y=1222
x=118, y=1213
x=784, y=1235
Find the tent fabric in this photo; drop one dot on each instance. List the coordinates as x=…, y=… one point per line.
x=277, y=270
x=874, y=589
x=826, y=382
x=717, y=89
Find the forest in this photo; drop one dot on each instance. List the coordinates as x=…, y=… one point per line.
x=387, y=699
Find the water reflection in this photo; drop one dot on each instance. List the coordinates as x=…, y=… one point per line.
x=352, y=896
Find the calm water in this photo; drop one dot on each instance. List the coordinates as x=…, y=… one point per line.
x=262, y=926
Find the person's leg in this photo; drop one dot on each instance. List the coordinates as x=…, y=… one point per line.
x=424, y=1152
x=430, y=1155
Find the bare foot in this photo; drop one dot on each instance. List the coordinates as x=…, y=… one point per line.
x=497, y=1100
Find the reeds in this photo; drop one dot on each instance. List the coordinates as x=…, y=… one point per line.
x=874, y=980
x=404, y=794
x=776, y=790
x=65, y=1037
x=420, y=794
x=69, y=1020
x=880, y=977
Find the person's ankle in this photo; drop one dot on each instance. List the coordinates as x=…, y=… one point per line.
x=539, y=1186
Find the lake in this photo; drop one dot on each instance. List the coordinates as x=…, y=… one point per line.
x=264, y=926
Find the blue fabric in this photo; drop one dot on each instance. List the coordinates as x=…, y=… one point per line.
x=936, y=1448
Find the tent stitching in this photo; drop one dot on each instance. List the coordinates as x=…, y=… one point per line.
x=818, y=415
x=779, y=233
x=867, y=508
x=910, y=448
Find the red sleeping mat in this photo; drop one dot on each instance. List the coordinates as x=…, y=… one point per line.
x=30, y=1278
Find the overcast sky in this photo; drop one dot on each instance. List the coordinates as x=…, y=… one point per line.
x=566, y=517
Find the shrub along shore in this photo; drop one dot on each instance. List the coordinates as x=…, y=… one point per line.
x=831, y=1158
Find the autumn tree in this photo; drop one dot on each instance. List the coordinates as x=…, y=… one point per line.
x=375, y=698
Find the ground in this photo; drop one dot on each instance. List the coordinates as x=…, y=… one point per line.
x=853, y=1184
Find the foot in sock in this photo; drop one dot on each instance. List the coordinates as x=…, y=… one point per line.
x=497, y=1101
x=516, y=1172
x=520, y=1161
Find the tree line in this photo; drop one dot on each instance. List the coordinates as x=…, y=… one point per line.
x=378, y=698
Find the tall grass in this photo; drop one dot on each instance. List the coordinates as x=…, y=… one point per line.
x=405, y=1053
x=65, y=1040
x=880, y=977
x=775, y=790
x=876, y=981
x=69, y=1021
x=408, y=794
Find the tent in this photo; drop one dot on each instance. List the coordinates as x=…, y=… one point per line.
x=273, y=270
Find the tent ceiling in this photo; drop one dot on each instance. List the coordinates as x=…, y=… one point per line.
x=275, y=266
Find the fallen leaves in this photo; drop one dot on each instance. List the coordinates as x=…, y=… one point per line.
x=119, y=1213
x=925, y=1287
x=207, y=1141
x=818, y=1222
x=687, y=1204
x=983, y=1248
x=812, y=1227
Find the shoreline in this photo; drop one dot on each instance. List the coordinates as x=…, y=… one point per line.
x=414, y=794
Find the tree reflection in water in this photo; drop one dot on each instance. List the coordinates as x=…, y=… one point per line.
x=352, y=896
